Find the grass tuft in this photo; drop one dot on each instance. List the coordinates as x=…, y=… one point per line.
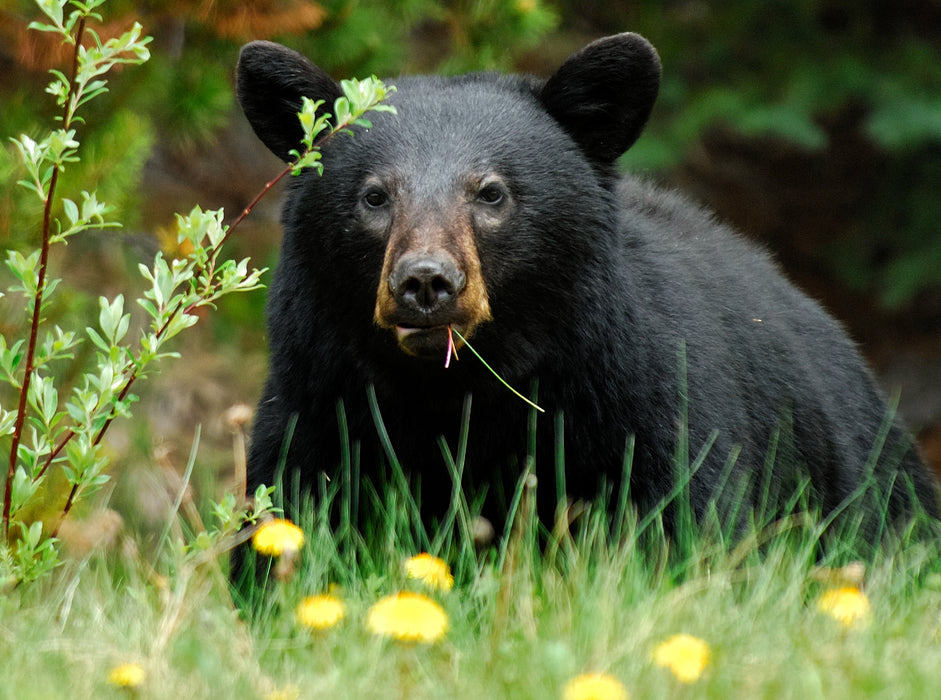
x=524, y=617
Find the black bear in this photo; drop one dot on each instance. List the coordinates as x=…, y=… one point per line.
x=491, y=205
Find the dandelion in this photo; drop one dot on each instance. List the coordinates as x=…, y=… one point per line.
x=686, y=656
x=430, y=570
x=847, y=605
x=409, y=617
x=594, y=686
x=277, y=537
x=126, y=676
x=320, y=612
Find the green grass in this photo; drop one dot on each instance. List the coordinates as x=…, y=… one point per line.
x=525, y=617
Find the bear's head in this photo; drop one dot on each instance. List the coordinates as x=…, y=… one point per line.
x=485, y=202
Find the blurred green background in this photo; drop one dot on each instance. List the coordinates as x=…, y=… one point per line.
x=814, y=126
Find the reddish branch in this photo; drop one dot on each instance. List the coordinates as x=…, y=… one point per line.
x=28, y=367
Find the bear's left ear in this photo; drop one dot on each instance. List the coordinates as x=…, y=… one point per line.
x=271, y=79
x=603, y=94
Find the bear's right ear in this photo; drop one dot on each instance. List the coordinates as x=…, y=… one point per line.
x=603, y=94
x=271, y=79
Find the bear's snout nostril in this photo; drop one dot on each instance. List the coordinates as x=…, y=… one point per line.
x=426, y=283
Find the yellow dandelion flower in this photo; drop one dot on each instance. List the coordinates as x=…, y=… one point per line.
x=320, y=612
x=409, y=617
x=277, y=537
x=126, y=676
x=430, y=570
x=686, y=656
x=594, y=686
x=847, y=605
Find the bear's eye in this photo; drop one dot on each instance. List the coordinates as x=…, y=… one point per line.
x=491, y=193
x=376, y=198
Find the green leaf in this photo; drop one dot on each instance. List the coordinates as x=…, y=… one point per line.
x=61, y=143
x=70, y=474
x=76, y=412
x=97, y=481
x=23, y=487
x=40, y=27
x=53, y=9
x=71, y=210
x=341, y=108
x=97, y=340
x=7, y=422
x=10, y=357
x=112, y=320
x=34, y=534
x=149, y=307
x=311, y=159
x=25, y=269
x=310, y=123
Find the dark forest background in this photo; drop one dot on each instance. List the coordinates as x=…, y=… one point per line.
x=813, y=126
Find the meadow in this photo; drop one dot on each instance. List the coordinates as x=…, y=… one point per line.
x=763, y=614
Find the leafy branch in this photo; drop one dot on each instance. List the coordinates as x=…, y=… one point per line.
x=49, y=429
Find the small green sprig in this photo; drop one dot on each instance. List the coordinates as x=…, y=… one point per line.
x=359, y=97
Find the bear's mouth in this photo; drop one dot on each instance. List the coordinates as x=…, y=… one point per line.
x=427, y=341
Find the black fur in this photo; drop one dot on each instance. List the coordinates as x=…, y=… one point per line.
x=596, y=284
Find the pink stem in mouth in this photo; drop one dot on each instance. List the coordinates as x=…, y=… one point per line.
x=451, y=349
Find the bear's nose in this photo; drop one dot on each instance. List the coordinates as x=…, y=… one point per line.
x=426, y=283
